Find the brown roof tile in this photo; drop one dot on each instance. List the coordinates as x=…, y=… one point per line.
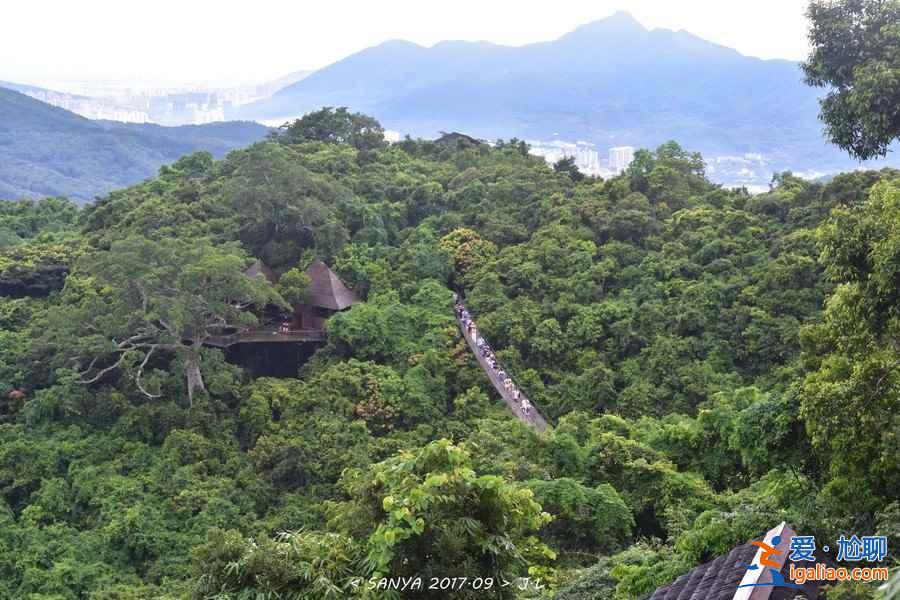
x=718, y=579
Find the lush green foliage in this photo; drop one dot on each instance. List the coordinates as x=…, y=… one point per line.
x=337, y=126
x=713, y=363
x=856, y=56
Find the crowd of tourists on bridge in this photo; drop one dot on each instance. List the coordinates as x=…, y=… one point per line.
x=488, y=354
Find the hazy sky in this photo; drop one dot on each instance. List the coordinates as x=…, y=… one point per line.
x=205, y=41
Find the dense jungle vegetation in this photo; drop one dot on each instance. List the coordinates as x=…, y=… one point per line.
x=712, y=362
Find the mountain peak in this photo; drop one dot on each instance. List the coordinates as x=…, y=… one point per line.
x=622, y=18
x=398, y=44
x=618, y=21
x=620, y=24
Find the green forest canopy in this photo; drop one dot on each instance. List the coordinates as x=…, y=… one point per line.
x=713, y=362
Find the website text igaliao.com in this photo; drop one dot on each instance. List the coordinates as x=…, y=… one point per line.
x=820, y=572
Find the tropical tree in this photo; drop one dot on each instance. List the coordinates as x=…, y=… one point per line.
x=280, y=208
x=334, y=126
x=292, y=285
x=293, y=566
x=855, y=54
x=142, y=296
x=467, y=250
x=566, y=165
x=584, y=519
x=427, y=513
x=853, y=388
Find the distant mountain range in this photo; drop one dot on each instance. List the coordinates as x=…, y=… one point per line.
x=611, y=82
x=48, y=151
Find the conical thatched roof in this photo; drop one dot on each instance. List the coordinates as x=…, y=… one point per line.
x=259, y=269
x=326, y=289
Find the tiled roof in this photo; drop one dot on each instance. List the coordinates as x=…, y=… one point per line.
x=453, y=136
x=719, y=579
x=715, y=580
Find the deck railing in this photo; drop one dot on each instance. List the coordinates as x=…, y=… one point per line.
x=533, y=417
x=257, y=336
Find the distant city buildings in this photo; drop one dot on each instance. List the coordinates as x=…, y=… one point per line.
x=92, y=108
x=148, y=106
x=586, y=156
x=620, y=157
x=189, y=108
x=163, y=106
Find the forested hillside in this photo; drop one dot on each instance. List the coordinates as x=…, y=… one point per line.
x=48, y=151
x=712, y=363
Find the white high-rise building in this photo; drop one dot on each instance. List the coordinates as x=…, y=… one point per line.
x=620, y=157
x=586, y=157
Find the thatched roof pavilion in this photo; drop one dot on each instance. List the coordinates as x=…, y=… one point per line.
x=326, y=290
